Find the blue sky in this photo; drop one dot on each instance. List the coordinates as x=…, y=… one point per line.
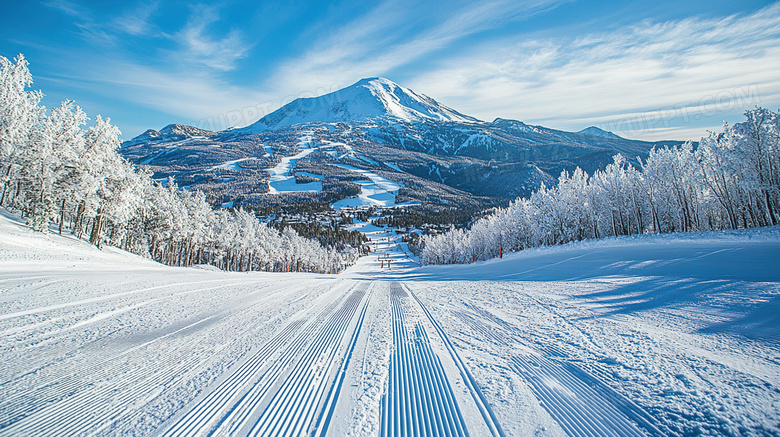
x=645, y=70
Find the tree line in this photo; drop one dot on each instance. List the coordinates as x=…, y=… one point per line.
x=729, y=180
x=56, y=170
x=327, y=235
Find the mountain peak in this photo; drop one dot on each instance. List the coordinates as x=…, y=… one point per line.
x=598, y=132
x=367, y=99
x=172, y=132
x=366, y=80
x=185, y=130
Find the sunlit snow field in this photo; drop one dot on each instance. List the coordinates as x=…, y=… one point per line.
x=674, y=334
x=375, y=190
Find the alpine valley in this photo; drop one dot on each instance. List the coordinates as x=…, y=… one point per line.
x=374, y=143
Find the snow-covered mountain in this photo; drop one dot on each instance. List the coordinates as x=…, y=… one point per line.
x=368, y=99
x=438, y=154
x=172, y=132
x=593, y=130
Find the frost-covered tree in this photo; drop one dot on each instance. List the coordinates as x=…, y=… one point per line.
x=731, y=180
x=47, y=165
x=674, y=189
x=53, y=169
x=740, y=167
x=20, y=115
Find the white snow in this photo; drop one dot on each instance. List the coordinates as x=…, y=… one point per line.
x=379, y=191
x=686, y=327
x=393, y=166
x=165, y=151
x=467, y=143
x=311, y=175
x=327, y=144
x=360, y=157
x=367, y=99
x=664, y=335
x=593, y=130
x=282, y=180
x=231, y=165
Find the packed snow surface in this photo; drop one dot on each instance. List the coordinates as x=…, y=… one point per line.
x=378, y=192
x=282, y=178
x=647, y=335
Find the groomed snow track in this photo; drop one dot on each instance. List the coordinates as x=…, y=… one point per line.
x=289, y=386
x=76, y=405
x=581, y=404
x=481, y=403
x=649, y=335
x=576, y=406
x=420, y=400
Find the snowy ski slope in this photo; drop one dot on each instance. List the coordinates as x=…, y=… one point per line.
x=642, y=336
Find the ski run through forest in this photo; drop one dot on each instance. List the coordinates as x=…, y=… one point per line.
x=644, y=335
x=54, y=170
x=640, y=300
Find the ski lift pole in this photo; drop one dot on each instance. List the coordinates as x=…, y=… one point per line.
x=501, y=245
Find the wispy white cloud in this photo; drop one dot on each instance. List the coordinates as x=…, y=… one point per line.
x=188, y=96
x=138, y=21
x=65, y=6
x=90, y=29
x=104, y=32
x=189, y=85
x=628, y=74
x=218, y=53
x=197, y=44
x=645, y=71
x=385, y=38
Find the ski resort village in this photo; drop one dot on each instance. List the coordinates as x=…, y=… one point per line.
x=589, y=245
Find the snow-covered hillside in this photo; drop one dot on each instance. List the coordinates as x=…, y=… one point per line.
x=593, y=130
x=369, y=98
x=645, y=335
x=474, y=164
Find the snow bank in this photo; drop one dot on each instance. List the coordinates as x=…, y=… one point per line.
x=741, y=254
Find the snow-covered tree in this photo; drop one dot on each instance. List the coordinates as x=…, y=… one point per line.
x=53, y=169
x=731, y=180
x=20, y=115
x=48, y=164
